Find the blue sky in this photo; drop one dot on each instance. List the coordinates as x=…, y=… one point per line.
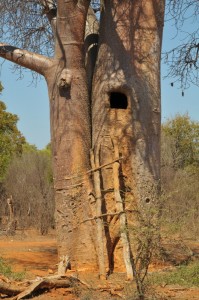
x=30, y=103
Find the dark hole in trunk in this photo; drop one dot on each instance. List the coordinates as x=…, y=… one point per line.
x=118, y=100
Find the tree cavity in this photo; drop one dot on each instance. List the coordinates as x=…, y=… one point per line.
x=118, y=100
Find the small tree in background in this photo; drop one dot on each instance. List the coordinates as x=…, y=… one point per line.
x=180, y=173
x=32, y=190
x=11, y=139
x=181, y=142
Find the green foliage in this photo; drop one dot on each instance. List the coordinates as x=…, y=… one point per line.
x=182, y=136
x=29, y=148
x=47, y=152
x=47, y=149
x=6, y=270
x=183, y=275
x=11, y=140
x=180, y=173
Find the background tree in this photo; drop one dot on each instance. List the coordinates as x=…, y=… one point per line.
x=116, y=128
x=181, y=142
x=32, y=189
x=11, y=139
x=180, y=171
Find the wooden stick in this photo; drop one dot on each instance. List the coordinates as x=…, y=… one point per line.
x=122, y=216
x=49, y=283
x=94, y=168
x=109, y=214
x=99, y=222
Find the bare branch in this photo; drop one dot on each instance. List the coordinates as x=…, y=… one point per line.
x=183, y=64
x=182, y=61
x=33, y=61
x=25, y=25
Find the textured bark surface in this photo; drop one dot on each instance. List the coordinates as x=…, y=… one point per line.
x=99, y=221
x=126, y=104
x=71, y=137
x=113, y=110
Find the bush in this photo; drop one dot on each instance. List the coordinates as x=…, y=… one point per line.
x=183, y=275
x=180, y=173
x=6, y=271
x=32, y=191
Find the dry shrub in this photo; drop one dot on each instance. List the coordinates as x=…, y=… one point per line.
x=180, y=176
x=29, y=181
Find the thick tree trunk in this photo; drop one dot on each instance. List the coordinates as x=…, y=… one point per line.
x=126, y=104
x=125, y=109
x=71, y=137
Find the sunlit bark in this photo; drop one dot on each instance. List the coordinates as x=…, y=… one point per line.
x=33, y=61
x=125, y=109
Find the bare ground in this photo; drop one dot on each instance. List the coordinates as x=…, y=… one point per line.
x=37, y=256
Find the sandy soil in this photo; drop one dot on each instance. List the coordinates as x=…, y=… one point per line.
x=37, y=256
x=34, y=254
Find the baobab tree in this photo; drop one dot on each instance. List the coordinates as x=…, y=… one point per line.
x=103, y=79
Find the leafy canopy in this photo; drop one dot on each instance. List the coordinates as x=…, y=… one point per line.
x=183, y=134
x=11, y=139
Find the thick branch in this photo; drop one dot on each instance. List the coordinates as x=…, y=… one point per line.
x=33, y=61
x=50, y=11
x=10, y=289
x=91, y=44
x=92, y=23
x=47, y=283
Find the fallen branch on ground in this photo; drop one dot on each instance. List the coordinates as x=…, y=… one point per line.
x=10, y=289
x=47, y=283
x=20, y=292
